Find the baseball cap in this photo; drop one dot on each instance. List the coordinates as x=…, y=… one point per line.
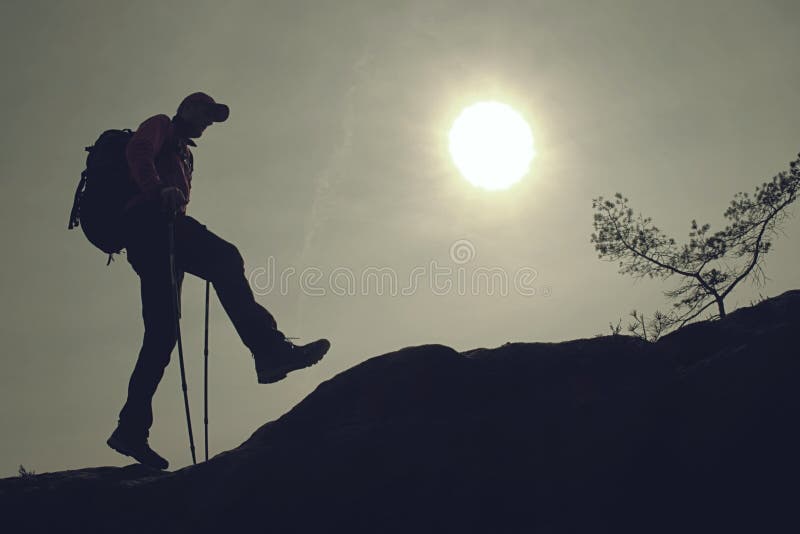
x=217, y=112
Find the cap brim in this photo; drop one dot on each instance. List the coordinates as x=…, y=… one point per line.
x=219, y=112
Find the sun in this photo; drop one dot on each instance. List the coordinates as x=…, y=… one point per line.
x=492, y=145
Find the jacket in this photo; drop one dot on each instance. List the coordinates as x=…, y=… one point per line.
x=159, y=157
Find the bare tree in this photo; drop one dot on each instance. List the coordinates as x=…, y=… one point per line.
x=707, y=278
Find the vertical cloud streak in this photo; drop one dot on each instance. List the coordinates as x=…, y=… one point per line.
x=330, y=173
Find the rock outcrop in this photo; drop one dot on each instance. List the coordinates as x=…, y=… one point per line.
x=697, y=432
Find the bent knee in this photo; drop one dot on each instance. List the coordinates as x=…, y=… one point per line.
x=161, y=343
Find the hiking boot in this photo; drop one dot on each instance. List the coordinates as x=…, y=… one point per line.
x=136, y=448
x=275, y=364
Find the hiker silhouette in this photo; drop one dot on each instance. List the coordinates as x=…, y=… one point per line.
x=161, y=166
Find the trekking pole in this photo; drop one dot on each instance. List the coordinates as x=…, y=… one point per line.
x=205, y=374
x=176, y=306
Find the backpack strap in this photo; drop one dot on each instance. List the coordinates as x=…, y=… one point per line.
x=75, y=213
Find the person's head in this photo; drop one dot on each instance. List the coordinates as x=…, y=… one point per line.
x=197, y=111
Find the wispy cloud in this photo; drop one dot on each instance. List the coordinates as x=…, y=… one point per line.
x=331, y=172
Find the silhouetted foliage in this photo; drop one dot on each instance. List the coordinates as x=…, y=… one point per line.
x=651, y=330
x=24, y=473
x=643, y=250
x=615, y=328
x=761, y=298
x=648, y=330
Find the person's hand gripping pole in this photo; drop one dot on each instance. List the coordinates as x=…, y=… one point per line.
x=172, y=199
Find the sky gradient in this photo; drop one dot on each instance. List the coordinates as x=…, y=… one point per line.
x=335, y=157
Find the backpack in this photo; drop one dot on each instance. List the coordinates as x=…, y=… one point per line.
x=103, y=190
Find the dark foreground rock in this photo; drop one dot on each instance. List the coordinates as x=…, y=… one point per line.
x=695, y=433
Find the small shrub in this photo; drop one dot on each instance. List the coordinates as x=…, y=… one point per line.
x=24, y=473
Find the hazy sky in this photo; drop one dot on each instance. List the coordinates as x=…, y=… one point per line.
x=335, y=157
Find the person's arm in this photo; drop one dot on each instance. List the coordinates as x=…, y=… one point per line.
x=141, y=153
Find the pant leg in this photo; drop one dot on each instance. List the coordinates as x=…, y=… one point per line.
x=208, y=256
x=199, y=252
x=154, y=356
x=148, y=254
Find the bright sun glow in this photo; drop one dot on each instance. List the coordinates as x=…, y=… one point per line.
x=492, y=145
